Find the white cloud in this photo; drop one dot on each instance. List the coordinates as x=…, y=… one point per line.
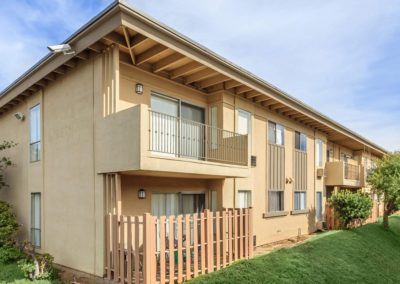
x=341, y=57
x=323, y=52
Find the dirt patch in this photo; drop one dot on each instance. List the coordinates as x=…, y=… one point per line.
x=287, y=243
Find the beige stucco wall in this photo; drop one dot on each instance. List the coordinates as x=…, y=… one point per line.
x=72, y=194
x=130, y=184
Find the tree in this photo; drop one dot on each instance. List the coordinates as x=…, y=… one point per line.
x=385, y=182
x=4, y=161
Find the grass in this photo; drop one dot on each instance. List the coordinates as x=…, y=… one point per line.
x=10, y=273
x=365, y=255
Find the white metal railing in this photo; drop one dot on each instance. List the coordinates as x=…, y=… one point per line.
x=185, y=138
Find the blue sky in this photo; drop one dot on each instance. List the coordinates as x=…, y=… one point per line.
x=340, y=57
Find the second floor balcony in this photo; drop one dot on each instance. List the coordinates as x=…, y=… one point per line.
x=182, y=138
x=142, y=140
x=344, y=174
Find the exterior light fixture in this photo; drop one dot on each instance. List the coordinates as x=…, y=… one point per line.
x=61, y=48
x=141, y=194
x=19, y=116
x=139, y=88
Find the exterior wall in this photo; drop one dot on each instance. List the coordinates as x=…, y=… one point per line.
x=132, y=205
x=72, y=197
x=273, y=228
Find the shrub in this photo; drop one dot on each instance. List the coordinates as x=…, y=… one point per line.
x=351, y=206
x=10, y=253
x=8, y=224
x=36, y=266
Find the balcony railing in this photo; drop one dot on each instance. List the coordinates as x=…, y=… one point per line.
x=179, y=137
x=351, y=171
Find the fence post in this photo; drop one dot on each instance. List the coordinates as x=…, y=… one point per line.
x=251, y=244
x=210, y=243
x=148, y=253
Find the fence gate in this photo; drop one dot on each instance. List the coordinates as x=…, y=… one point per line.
x=148, y=249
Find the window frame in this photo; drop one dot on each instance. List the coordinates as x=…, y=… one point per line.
x=281, y=203
x=302, y=206
x=33, y=219
x=35, y=143
x=319, y=153
x=248, y=199
x=275, y=135
x=301, y=138
x=248, y=116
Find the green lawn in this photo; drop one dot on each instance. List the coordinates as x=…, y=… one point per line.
x=10, y=273
x=365, y=255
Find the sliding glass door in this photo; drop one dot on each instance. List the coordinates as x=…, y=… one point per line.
x=177, y=128
x=192, y=131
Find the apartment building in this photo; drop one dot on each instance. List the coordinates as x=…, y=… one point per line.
x=140, y=119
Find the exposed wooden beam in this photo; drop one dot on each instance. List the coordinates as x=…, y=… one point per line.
x=290, y=112
x=167, y=62
x=84, y=55
x=150, y=53
x=295, y=116
x=117, y=38
x=138, y=40
x=213, y=81
x=262, y=98
x=97, y=47
x=187, y=68
x=276, y=106
x=34, y=88
x=216, y=87
x=128, y=43
x=70, y=63
x=27, y=93
x=42, y=83
x=51, y=77
x=242, y=89
x=203, y=74
x=232, y=84
x=268, y=103
x=252, y=94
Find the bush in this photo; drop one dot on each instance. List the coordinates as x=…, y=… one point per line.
x=8, y=229
x=9, y=253
x=37, y=266
x=351, y=206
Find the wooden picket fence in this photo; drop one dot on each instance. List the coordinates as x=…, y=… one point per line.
x=173, y=249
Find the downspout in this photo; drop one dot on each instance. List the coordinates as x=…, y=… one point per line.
x=234, y=129
x=315, y=178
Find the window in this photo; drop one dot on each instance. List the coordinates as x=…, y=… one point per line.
x=276, y=133
x=167, y=204
x=244, y=199
x=300, y=200
x=319, y=150
x=35, y=219
x=300, y=141
x=275, y=201
x=34, y=116
x=164, y=204
x=318, y=206
x=244, y=122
